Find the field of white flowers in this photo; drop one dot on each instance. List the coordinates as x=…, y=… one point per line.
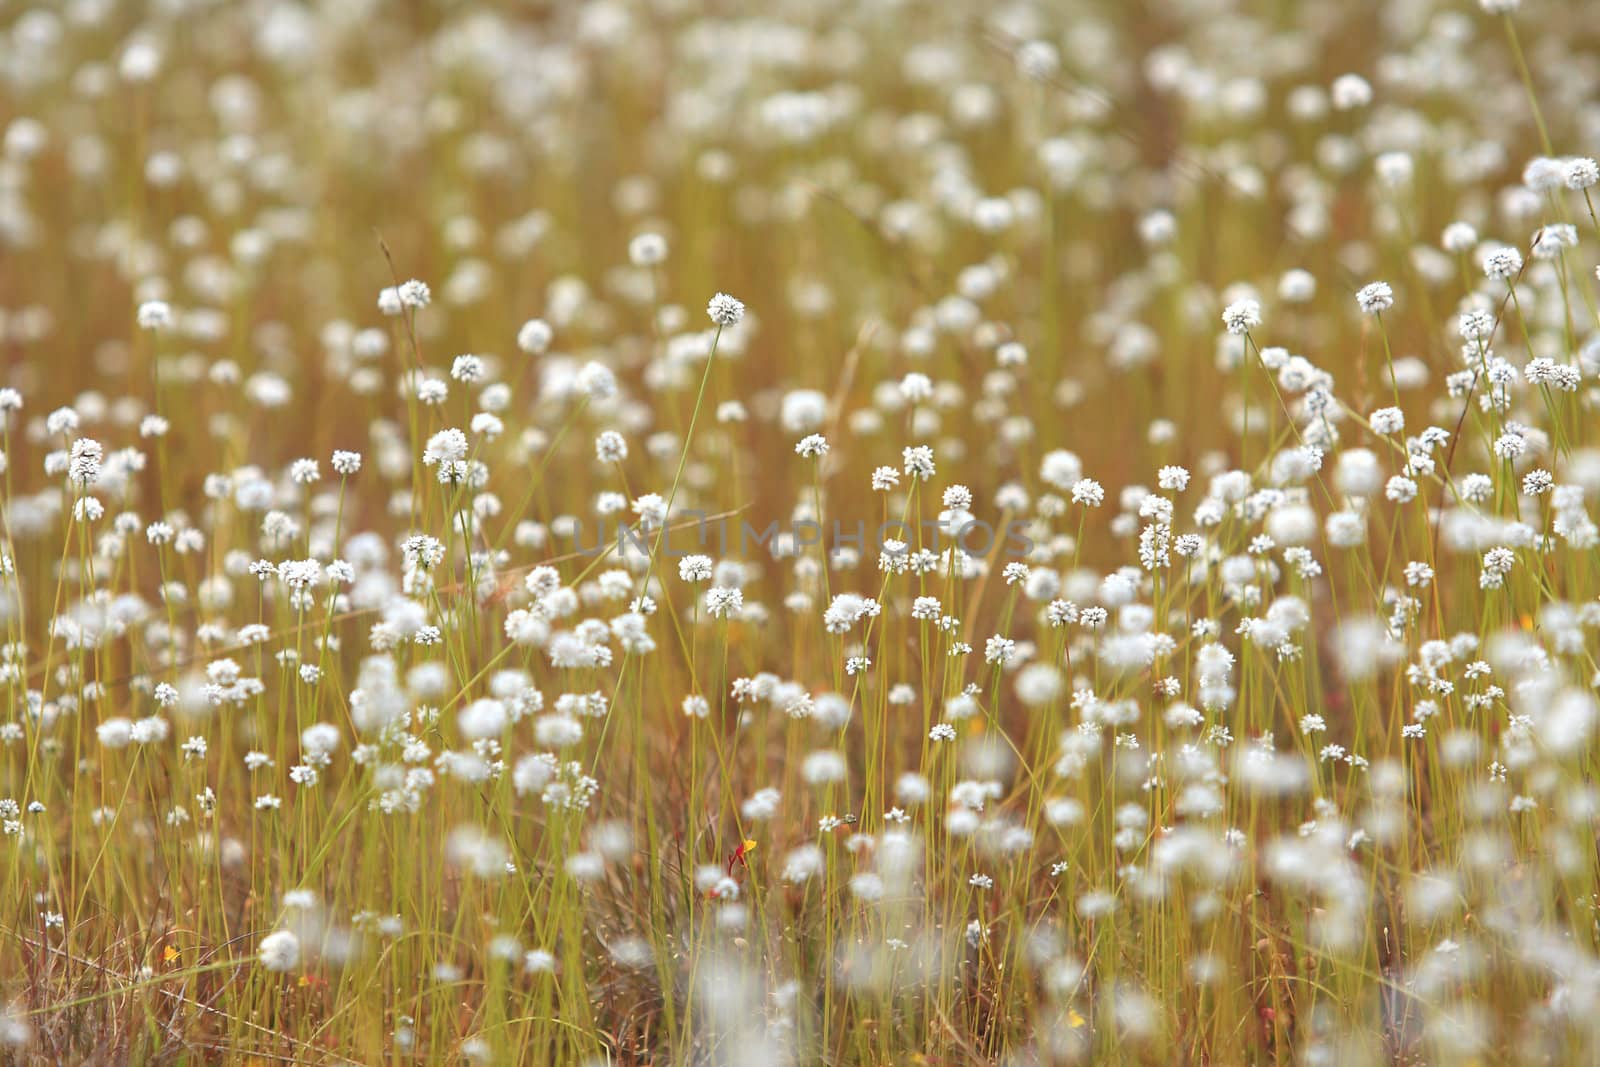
x=791, y=532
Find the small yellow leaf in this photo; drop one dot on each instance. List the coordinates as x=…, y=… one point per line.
x=169, y=954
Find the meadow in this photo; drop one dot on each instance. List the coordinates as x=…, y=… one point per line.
x=795, y=532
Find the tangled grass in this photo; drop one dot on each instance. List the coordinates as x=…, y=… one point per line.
x=799, y=532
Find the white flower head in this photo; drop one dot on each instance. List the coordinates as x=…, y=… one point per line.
x=724, y=310
x=280, y=951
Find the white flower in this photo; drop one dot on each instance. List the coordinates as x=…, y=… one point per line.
x=482, y=718
x=695, y=568
x=1581, y=173
x=999, y=649
x=724, y=310
x=535, y=336
x=1458, y=237
x=596, y=381
x=155, y=315
x=647, y=250
x=115, y=733
x=1503, y=264
x=724, y=602
x=1375, y=297
x=610, y=447
x=1241, y=316
x=1387, y=421
x=1350, y=91
x=280, y=951
x=1037, y=60
x=414, y=294
x=445, y=447
x=319, y=739
x=812, y=446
